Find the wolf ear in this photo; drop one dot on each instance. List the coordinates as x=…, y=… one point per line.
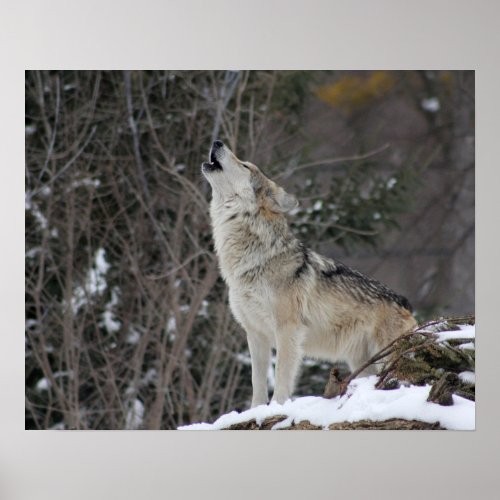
x=284, y=202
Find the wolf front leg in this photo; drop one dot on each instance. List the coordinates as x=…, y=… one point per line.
x=260, y=354
x=288, y=359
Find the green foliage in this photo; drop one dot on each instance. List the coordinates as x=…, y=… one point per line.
x=421, y=359
x=292, y=90
x=360, y=203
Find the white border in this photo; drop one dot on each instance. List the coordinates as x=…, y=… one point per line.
x=275, y=34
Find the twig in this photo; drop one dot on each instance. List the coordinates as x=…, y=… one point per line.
x=364, y=232
x=383, y=375
x=179, y=267
x=332, y=161
x=54, y=130
x=135, y=136
x=384, y=352
x=67, y=165
x=225, y=93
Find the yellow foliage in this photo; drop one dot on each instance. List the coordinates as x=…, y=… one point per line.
x=353, y=92
x=447, y=79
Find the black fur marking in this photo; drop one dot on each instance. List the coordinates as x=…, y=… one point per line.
x=338, y=270
x=232, y=217
x=303, y=268
x=363, y=288
x=211, y=167
x=403, y=302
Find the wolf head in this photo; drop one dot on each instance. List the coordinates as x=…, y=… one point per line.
x=240, y=183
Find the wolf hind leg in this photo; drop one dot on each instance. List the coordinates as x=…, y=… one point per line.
x=361, y=358
x=369, y=370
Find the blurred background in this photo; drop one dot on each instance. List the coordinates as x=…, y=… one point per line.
x=127, y=322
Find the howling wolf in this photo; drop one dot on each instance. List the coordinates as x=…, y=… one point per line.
x=285, y=295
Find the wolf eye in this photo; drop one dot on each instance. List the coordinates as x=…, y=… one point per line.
x=246, y=166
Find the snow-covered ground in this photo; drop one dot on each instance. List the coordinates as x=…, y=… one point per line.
x=363, y=402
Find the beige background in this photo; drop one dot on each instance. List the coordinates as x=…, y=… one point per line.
x=278, y=34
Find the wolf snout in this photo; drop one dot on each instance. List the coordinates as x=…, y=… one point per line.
x=216, y=147
x=215, y=154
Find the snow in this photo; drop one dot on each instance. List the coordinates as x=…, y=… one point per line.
x=204, y=309
x=362, y=401
x=100, y=261
x=467, y=377
x=43, y=384
x=318, y=206
x=48, y=348
x=95, y=281
x=32, y=253
x=30, y=129
x=465, y=332
x=133, y=336
x=467, y=346
x=430, y=104
x=88, y=182
x=31, y=206
x=171, y=325
x=244, y=358
x=30, y=324
x=391, y=183
x=109, y=320
x=149, y=376
x=135, y=414
x=110, y=323
x=60, y=426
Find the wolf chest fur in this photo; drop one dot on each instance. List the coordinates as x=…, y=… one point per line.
x=284, y=295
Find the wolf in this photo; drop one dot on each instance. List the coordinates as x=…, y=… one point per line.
x=284, y=295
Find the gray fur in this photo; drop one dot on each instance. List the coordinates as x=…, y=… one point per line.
x=285, y=295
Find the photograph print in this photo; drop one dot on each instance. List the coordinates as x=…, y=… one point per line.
x=249, y=250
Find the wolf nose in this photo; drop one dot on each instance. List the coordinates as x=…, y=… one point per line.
x=217, y=144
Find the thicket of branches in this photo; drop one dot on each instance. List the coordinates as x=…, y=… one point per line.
x=127, y=323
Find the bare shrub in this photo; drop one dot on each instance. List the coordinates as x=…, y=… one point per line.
x=127, y=320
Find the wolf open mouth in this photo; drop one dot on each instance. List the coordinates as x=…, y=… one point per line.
x=211, y=167
x=214, y=164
